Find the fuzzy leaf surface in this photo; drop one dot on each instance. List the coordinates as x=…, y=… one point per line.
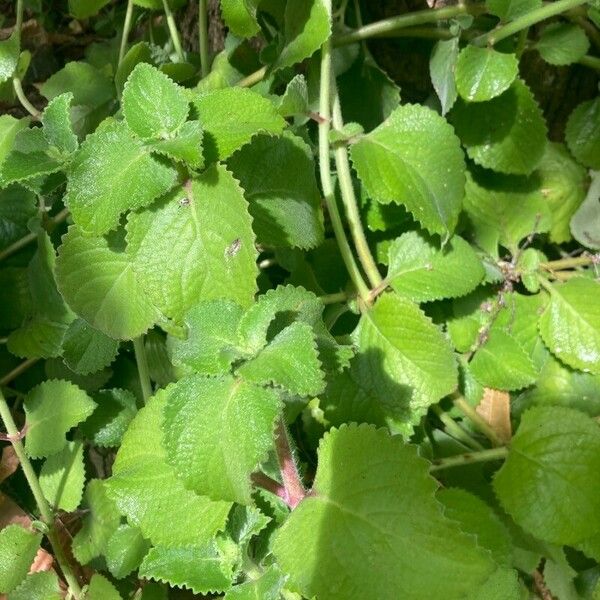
x=266, y=587
x=441, y=70
x=62, y=477
x=38, y=586
x=583, y=133
x=562, y=43
x=125, y=550
x=87, y=350
x=585, y=223
x=56, y=120
x=185, y=146
x=18, y=547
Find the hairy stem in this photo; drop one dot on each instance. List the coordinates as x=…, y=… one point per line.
x=469, y=458
x=265, y=482
x=203, y=37
x=527, y=20
x=173, y=31
x=476, y=419
x=294, y=490
x=142, y=366
x=325, y=171
x=349, y=200
x=126, y=30
x=46, y=512
x=455, y=430
x=18, y=370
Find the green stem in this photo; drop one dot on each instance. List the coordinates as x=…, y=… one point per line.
x=455, y=430
x=522, y=42
x=590, y=61
x=18, y=370
x=469, y=458
x=570, y=262
x=527, y=20
x=142, y=366
x=46, y=512
x=389, y=26
x=19, y=16
x=126, y=30
x=253, y=78
x=334, y=298
x=203, y=37
x=173, y=31
x=325, y=170
x=30, y=108
x=476, y=419
x=349, y=200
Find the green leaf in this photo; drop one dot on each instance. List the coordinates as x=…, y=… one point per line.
x=555, y=455
x=562, y=43
x=9, y=56
x=202, y=569
x=563, y=185
x=38, y=586
x=306, y=26
x=583, y=133
x=87, y=350
x=421, y=271
x=56, y=120
x=294, y=101
x=62, y=477
x=403, y=356
x=502, y=364
x=99, y=524
x=101, y=588
x=442, y=65
x=483, y=73
x=570, y=325
x=360, y=487
x=399, y=162
x=141, y=52
x=17, y=206
x=266, y=587
x=196, y=244
x=240, y=16
x=585, y=223
x=110, y=174
x=506, y=134
x=95, y=275
x=83, y=9
x=232, y=420
x=52, y=408
x=14, y=295
x=185, y=146
x=9, y=127
x=18, y=547
x=125, y=551
x=290, y=361
x=278, y=178
x=509, y=10
x=153, y=105
x=148, y=492
x=231, y=117
x=477, y=518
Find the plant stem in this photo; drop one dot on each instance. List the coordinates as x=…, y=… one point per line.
x=389, y=26
x=253, y=78
x=265, y=482
x=18, y=370
x=203, y=37
x=30, y=108
x=477, y=419
x=46, y=512
x=126, y=30
x=455, y=430
x=142, y=366
x=527, y=20
x=570, y=262
x=334, y=298
x=294, y=490
x=173, y=31
x=590, y=61
x=469, y=458
x=349, y=200
x=325, y=170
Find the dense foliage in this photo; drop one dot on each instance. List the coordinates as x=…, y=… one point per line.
x=271, y=331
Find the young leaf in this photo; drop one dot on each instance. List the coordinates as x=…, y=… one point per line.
x=294, y=102
x=266, y=587
x=583, y=133
x=211, y=343
x=38, y=586
x=278, y=178
x=360, y=486
x=185, y=146
x=509, y=10
x=421, y=271
x=403, y=355
x=56, y=120
x=87, y=350
x=99, y=524
x=484, y=73
x=110, y=174
x=202, y=569
x=506, y=134
x=232, y=420
x=62, y=477
x=52, y=408
x=290, y=361
x=585, y=223
x=9, y=55
x=408, y=171
x=153, y=105
x=562, y=43
x=570, y=325
x=101, y=588
x=231, y=117
x=442, y=65
x=95, y=275
x=148, y=492
x=196, y=244
x=18, y=547
x=554, y=455
x=125, y=551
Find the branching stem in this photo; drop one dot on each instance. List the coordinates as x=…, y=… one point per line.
x=455, y=430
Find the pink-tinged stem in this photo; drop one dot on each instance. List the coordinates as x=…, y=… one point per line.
x=265, y=482
x=292, y=484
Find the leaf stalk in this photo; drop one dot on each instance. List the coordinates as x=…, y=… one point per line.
x=469, y=458
x=203, y=38
x=292, y=484
x=173, y=31
x=126, y=30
